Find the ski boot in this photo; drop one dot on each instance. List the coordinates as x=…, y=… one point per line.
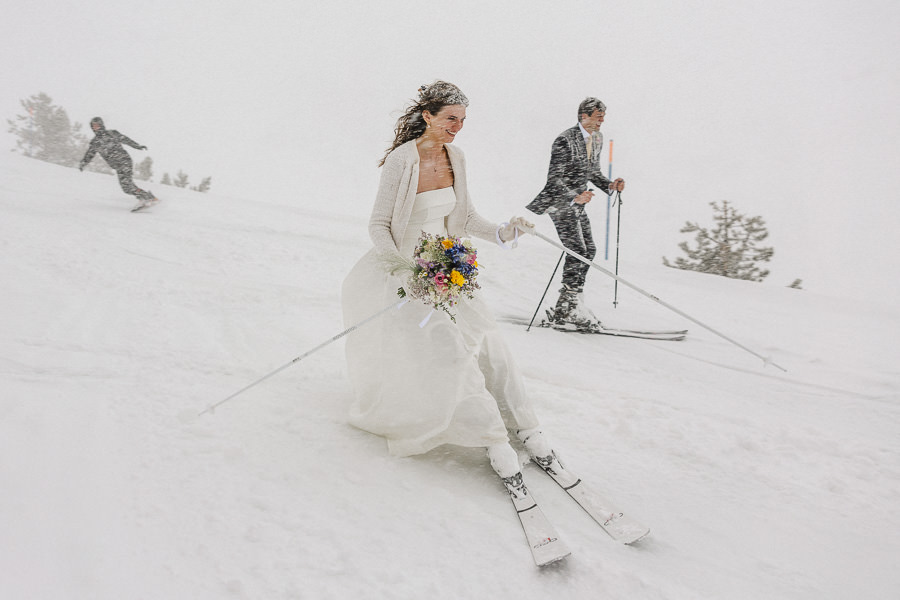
x=569, y=313
x=539, y=450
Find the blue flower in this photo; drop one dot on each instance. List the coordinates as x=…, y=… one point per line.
x=455, y=253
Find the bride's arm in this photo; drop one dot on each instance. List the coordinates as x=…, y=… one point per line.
x=383, y=211
x=478, y=226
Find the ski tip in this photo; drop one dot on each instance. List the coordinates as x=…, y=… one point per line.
x=546, y=561
x=640, y=537
x=553, y=561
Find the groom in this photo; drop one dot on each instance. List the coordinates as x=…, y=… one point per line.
x=575, y=161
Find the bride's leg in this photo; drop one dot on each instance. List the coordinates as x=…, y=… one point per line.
x=503, y=380
x=535, y=442
x=538, y=447
x=504, y=460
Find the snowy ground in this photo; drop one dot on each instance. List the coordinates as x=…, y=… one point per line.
x=117, y=329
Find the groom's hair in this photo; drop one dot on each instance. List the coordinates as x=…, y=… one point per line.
x=588, y=106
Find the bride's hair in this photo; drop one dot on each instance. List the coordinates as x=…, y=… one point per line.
x=432, y=98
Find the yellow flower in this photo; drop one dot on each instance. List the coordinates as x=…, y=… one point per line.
x=457, y=278
x=447, y=244
x=475, y=264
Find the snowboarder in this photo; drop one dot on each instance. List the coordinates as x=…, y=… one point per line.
x=575, y=161
x=108, y=142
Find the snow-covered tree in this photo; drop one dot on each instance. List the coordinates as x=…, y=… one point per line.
x=204, y=186
x=166, y=180
x=144, y=169
x=181, y=179
x=731, y=248
x=46, y=133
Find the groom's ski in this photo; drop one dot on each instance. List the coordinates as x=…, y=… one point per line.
x=546, y=547
x=596, y=328
x=613, y=331
x=620, y=526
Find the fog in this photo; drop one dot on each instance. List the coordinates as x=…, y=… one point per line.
x=786, y=111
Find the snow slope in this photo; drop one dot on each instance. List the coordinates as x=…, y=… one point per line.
x=117, y=329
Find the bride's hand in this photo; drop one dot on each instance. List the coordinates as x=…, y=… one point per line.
x=508, y=230
x=522, y=225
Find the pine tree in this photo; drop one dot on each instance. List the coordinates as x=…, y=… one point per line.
x=144, y=169
x=166, y=180
x=204, y=186
x=46, y=133
x=181, y=180
x=729, y=249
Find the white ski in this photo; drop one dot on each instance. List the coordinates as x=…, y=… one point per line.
x=614, y=521
x=665, y=336
x=598, y=329
x=645, y=332
x=546, y=547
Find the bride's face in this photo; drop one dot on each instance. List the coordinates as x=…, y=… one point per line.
x=444, y=125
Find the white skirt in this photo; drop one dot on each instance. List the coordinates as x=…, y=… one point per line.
x=421, y=387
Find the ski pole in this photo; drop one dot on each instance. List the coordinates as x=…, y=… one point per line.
x=211, y=408
x=556, y=268
x=618, y=229
x=766, y=361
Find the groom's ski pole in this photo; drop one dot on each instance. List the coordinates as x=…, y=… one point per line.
x=618, y=229
x=213, y=407
x=766, y=361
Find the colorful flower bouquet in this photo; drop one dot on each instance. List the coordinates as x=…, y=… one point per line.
x=441, y=271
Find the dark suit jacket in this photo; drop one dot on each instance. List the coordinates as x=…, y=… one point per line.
x=570, y=171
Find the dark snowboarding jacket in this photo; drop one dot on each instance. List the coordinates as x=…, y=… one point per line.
x=108, y=143
x=570, y=170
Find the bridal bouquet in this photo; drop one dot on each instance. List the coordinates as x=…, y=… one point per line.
x=442, y=269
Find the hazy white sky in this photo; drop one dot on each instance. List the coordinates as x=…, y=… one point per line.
x=786, y=109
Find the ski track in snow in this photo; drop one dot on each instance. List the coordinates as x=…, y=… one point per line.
x=119, y=329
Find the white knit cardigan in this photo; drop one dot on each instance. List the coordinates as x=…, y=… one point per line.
x=397, y=194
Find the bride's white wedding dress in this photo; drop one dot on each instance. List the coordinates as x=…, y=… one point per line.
x=444, y=383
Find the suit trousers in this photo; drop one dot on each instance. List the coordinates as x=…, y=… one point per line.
x=574, y=229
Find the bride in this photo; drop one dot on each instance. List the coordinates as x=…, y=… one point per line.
x=447, y=382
